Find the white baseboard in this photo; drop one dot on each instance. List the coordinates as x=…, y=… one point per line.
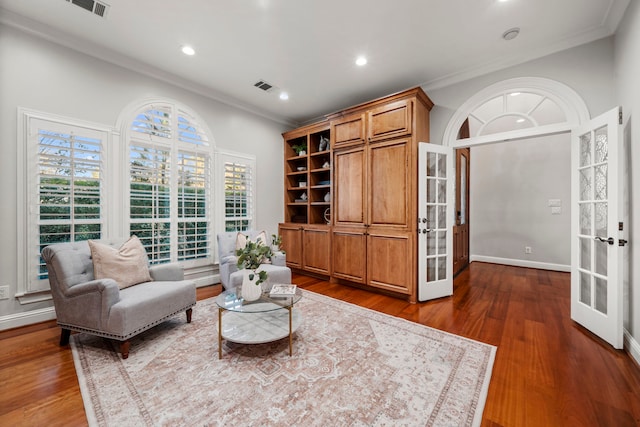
x=27, y=318
x=521, y=263
x=207, y=280
x=632, y=346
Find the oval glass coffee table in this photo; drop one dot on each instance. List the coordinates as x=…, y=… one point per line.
x=256, y=322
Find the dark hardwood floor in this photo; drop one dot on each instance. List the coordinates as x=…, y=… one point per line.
x=548, y=371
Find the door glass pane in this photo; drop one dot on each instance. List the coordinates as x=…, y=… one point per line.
x=601, y=295
x=463, y=189
x=585, y=149
x=431, y=217
x=600, y=182
x=431, y=164
x=602, y=148
x=442, y=217
x=442, y=191
x=431, y=190
x=585, y=288
x=585, y=184
x=442, y=165
x=601, y=252
x=442, y=268
x=601, y=219
x=442, y=242
x=431, y=269
x=585, y=253
x=601, y=230
x=431, y=243
x=585, y=218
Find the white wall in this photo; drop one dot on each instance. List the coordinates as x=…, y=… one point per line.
x=44, y=76
x=627, y=62
x=587, y=69
x=511, y=184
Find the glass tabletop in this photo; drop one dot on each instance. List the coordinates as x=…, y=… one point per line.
x=233, y=301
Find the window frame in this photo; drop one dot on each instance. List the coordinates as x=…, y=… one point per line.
x=224, y=157
x=30, y=288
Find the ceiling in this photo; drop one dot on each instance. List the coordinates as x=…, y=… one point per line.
x=308, y=47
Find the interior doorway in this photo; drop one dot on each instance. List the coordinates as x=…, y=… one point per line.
x=499, y=114
x=527, y=112
x=461, y=226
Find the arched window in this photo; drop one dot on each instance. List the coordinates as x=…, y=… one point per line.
x=170, y=162
x=513, y=110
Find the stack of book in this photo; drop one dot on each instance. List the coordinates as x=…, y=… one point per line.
x=282, y=291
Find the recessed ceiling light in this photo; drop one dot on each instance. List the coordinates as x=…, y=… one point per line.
x=511, y=33
x=188, y=50
x=514, y=93
x=361, y=61
x=520, y=120
x=284, y=96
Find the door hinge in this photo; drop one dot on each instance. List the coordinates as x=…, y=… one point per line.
x=620, y=116
x=620, y=226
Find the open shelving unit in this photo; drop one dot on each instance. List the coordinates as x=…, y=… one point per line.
x=308, y=176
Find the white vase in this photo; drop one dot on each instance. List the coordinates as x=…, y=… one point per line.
x=250, y=291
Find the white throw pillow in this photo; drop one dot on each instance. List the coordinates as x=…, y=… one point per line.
x=128, y=265
x=242, y=239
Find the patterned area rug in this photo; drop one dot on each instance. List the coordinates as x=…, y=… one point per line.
x=350, y=367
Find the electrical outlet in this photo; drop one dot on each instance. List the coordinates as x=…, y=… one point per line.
x=4, y=292
x=527, y=249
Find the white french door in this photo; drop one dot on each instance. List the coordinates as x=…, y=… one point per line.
x=598, y=230
x=436, y=198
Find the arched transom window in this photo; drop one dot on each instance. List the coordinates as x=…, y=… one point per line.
x=513, y=110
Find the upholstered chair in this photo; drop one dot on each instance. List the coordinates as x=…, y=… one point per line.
x=101, y=306
x=230, y=277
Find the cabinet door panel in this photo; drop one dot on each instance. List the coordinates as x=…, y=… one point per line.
x=317, y=250
x=349, y=255
x=390, y=121
x=389, y=183
x=349, y=188
x=390, y=260
x=348, y=131
x=292, y=244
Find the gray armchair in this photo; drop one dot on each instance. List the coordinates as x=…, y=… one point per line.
x=277, y=271
x=100, y=307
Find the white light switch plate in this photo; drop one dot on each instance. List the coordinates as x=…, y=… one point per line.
x=555, y=202
x=556, y=210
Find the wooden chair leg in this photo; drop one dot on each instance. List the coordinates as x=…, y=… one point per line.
x=124, y=348
x=189, y=312
x=64, y=336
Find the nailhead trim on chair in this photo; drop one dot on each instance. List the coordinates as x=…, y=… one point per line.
x=129, y=335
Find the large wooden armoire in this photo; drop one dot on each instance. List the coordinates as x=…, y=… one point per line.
x=351, y=198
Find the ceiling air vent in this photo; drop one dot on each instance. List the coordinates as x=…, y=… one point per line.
x=261, y=84
x=95, y=7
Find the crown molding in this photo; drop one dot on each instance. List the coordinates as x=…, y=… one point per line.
x=615, y=14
